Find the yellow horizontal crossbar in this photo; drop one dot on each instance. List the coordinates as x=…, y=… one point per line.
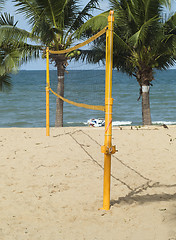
x=81, y=44
x=92, y=107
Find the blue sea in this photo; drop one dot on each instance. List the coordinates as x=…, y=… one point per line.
x=24, y=104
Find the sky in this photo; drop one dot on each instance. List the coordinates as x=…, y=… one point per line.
x=41, y=64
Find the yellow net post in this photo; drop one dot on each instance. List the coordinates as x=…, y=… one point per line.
x=108, y=149
x=47, y=92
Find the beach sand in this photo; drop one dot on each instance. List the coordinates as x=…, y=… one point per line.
x=51, y=188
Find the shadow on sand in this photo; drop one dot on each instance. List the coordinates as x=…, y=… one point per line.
x=134, y=197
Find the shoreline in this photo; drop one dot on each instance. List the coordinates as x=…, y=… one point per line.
x=120, y=127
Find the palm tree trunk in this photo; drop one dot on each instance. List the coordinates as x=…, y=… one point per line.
x=59, y=102
x=146, y=116
x=144, y=76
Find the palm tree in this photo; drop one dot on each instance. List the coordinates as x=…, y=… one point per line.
x=143, y=41
x=14, y=49
x=56, y=24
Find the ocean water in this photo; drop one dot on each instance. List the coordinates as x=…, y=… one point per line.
x=24, y=105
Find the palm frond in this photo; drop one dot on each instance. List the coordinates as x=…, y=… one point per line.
x=29, y=9
x=7, y=19
x=45, y=31
x=93, y=25
x=84, y=15
x=166, y=3
x=5, y=83
x=12, y=55
x=94, y=55
x=68, y=13
x=29, y=52
x=140, y=37
x=9, y=33
x=9, y=30
x=2, y=4
x=121, y=43
x=170, y=25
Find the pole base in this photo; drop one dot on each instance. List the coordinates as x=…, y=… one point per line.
x=104, y=208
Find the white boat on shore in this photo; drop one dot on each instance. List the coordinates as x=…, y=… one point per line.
x=96, y=122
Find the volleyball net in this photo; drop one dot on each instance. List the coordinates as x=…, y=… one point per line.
x=78, y=46
x=107, y=148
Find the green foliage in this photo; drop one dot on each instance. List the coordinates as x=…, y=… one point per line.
x=5, y=83
x=8, y=52
x=14, y=49
x=93, y=25
x=55, y=22
x=142, y=39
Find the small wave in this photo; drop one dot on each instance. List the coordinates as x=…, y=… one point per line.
x=163, y=122
x=120, y=123
x=74, y=122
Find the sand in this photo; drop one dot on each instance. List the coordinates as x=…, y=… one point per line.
x=51, y=187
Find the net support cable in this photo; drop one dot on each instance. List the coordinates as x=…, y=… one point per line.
x=92, y=107
x=91, y=39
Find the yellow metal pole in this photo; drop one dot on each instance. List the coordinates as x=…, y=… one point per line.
x=108, y=149
x=47, y=92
